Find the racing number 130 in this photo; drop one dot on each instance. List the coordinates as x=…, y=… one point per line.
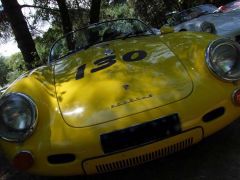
x=110, y=60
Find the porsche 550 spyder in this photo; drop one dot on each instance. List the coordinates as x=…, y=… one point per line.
x=115, y=95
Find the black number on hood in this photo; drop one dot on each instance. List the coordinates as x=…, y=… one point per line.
x=104, y=63
x=134, y=56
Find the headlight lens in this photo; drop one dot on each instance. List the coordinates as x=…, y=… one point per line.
x=223, y=59
x=18, y=116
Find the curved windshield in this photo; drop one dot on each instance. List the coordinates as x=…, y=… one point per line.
x=97, y=33
x=176, y=18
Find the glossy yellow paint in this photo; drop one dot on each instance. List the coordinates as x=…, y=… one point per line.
x=174, y=73
x=165, y=29
x=157, y=80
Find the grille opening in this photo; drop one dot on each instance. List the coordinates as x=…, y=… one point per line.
x=135, y=161
x=213, y=114
x=61, y=158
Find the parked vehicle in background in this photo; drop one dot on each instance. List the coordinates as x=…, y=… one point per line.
x=186, y=20
x=230, y=6
x=207, y=18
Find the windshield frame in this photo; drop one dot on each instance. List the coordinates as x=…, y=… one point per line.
x=52, y=60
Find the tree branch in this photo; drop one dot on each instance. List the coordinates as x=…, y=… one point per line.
x=39, y=7
x=33, y=28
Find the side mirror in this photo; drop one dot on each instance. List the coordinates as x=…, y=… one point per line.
x=165, y=29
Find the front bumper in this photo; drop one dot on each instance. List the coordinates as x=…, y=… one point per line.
x=142, y=154
x=82, y=146
x=85, y=146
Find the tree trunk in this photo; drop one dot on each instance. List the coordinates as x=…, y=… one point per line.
x=21, y=33
x=3, y=16
x=66, y=22
x=95, y=11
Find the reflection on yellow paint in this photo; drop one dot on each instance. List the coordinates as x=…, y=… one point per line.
x=160, y=74
x=76, y=112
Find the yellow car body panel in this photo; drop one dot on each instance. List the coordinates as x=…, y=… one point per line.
x=109, y=100
x=190, y=90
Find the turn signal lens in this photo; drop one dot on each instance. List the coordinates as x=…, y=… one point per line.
x=236, y=97
x=23, y=161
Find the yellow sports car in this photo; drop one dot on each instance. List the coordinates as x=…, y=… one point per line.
x=115, y=95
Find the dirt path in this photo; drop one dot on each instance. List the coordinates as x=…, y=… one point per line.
x=217, y=157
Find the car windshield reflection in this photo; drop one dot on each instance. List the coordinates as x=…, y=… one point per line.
x=97, y=33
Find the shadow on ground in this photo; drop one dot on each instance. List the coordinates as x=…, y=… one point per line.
x=217, y=157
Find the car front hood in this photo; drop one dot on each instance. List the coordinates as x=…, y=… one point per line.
x=102, y=93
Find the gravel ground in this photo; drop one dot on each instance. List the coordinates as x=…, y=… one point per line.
x=217, y=157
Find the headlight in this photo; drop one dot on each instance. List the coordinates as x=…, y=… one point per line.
x=223, y=59
x=18, y=116
x=208, y=27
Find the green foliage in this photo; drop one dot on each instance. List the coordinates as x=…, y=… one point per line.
x=117, y=11
x=153, y=12
x=44, y=43
x=11, y=68
x=15, y=65
x=3, y=71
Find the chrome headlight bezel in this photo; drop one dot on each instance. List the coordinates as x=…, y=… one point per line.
x=214, y=64
x=9, y=132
